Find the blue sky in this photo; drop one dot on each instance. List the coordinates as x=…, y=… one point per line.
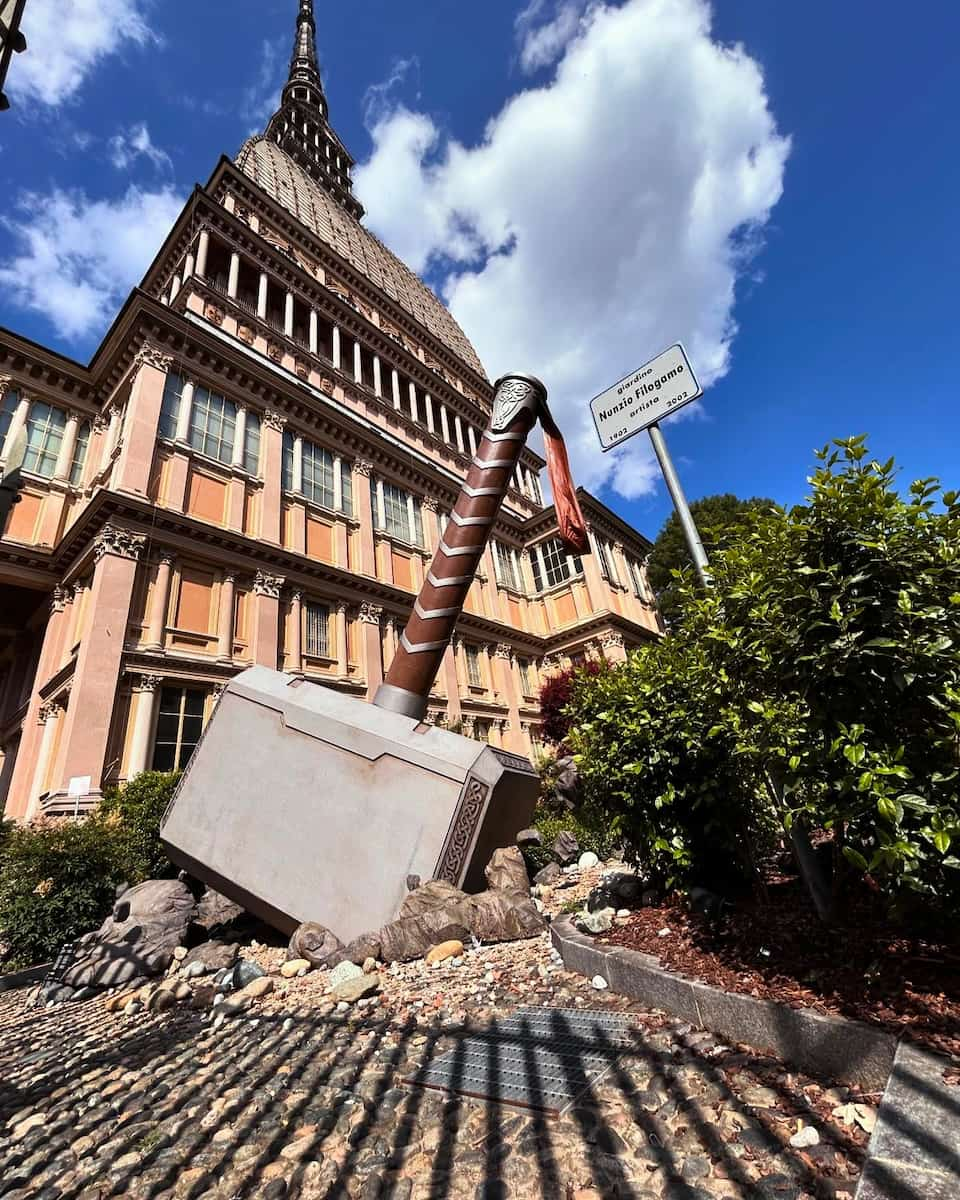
x=774, y=183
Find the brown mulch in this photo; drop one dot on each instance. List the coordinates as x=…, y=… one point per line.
x=860, y=968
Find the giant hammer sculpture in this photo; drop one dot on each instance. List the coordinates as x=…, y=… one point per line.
x=304, y=804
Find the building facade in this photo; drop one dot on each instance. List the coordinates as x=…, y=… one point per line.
x=256, y=467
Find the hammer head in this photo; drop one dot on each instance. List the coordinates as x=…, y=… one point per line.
x=302, y=804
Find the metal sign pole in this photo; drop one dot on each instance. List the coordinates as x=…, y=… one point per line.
x=690, y=531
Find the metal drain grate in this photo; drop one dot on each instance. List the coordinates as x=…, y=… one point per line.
x=539, y=1058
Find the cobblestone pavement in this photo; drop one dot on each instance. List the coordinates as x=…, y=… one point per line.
x=297, y=1099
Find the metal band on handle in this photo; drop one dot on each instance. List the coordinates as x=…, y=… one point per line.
x=517, y=401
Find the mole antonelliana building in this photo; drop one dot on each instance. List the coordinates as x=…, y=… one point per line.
x=255, y=467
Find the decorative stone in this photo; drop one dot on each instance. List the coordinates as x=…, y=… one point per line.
x=212, y=956
x=548, y=875
x=343, y=972
x=352, y=990
x=119, y=1001
x=594, y=922
x=244, y=973
x=34, y=1121
x=507, y=872
x=293, y=966
x=162, y=1000
x=358, y=951
x=805, y=1137
x=261, y=986
x=180, y=953
x=588, y=860
x=315, y=943
x=529, y=837
x=444, y=951
x=599, y=983
x=193, y=970
x=566, y=847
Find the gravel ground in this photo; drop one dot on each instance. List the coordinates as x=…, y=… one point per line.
x=295, y=1097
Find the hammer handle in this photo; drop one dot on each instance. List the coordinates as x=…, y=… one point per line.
x=461, y=546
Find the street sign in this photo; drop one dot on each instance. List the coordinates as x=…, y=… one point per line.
x=660, y=387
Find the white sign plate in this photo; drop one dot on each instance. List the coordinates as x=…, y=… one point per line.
x=660, y=387
x=79, y=786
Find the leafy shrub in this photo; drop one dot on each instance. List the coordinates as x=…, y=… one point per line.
x=817, y=682
x=136, y=810
x=588, y=825
x=555, y=697
x=58, y=879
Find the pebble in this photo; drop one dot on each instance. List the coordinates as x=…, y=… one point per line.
x=445, y=950
x=587, y=861
x=294, y=967
x=193, y=970
x=805, y=1137
x=180, y=953
x=342, y=972
x=599, y=983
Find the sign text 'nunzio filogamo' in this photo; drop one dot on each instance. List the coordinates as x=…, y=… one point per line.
x=658, y=388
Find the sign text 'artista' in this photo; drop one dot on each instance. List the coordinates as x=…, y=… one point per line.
x=658, y=388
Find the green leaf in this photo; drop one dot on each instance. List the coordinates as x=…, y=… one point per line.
x=855, y=857
x=854, y=754
x=941, y=839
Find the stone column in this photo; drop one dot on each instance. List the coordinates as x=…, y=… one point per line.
x=428, y=405
x=225, y=617
x=159, y=603
x=49, y=718
x=451, y=685
x=444, y=423
x=94, y=691
x=17, y=422
x=343, y=653
x=507, y=684
x=414, y=411
x=371, y=646
x=614, y=647
x=458, y=428
x=263, y=286
x=239, y=437
x=596, y=588
x=377, y=376
x=147, y=693
x=335, y=347
x=364, y=512
x=233, y=279
x=185, y=412
x=203, y=248
x=390, y=642
x=288, y=315
x=314, y=332
x=295, y=648
x=68, y=446
x=395, y=388
x=188, y=265
x=271, y=460
x=357, y=363
x=143, y=420
x=266, y=638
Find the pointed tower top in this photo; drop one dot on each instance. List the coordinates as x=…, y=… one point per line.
x=301, y=126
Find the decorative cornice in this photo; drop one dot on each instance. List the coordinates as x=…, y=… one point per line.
x=613, y=639
x=148, y=683
x=166, y=558
x=6, y=382
x=431, y=503
x=503, y=651
x=119, y=542
x=100, y=423
x=58, y=600
x=370, y=614
x=274, y=420
x=362, y=467
x=152, y=356
x=268, y=585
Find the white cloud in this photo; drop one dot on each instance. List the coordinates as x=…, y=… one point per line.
x=543, y=40
x=66, y=41
x=77, y=258
x=604, y=215
x=261, y=98
x=126, y=147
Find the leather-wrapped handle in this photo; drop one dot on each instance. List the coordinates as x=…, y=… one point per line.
x=517, y=402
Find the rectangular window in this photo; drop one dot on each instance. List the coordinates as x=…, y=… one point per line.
x=179, y=726
x=401, y=516
x=524, y=665
x=45, y=426
x=317, y=618
x=505, y=567
x=346, y=488
x=474, y=678
x=556, y=563
x=7, y=409
x=80, y=454
x=170, y=406
x=638, y=582
x=288, y=453
x=251, y=444
x=318, y=475
x=213, y=421
x=608, y=563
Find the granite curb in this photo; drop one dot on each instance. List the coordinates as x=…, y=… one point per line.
x=848, y=1051
x=914, y=1151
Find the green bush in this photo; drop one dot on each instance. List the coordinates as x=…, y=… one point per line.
x=137, y=809
x=817, y=684
x=58, y=879
x=588, y=825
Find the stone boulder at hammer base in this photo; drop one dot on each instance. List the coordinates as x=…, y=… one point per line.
x=315, y=943
x=439, y=912
x=507, y=872
x=138, y=938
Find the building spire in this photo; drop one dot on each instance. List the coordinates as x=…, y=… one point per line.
x=301, y=126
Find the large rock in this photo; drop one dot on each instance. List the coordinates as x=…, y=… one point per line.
x=214, y=956
x=357, y=951
x=567, y=786
x=315, y=943
x=527, y=838
x=443, y=913
x=620, y=889
x=549, y=874
x=139, y=937
x=215, y=911
x=507, y=872
x=505, y=917
x=566, y=847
